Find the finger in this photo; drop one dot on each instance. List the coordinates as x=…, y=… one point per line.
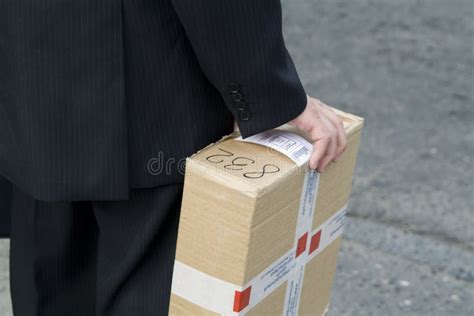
x=319, y=151
x=330, y=154
x=332, y=148
x=325, y=161
x=341, y=133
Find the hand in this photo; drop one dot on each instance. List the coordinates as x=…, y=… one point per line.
x=326, y=130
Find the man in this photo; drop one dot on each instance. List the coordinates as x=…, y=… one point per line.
x=91, y=92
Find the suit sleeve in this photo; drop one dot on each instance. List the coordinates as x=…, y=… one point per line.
x=239, y=45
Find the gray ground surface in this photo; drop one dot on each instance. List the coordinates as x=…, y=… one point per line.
x=406, y=66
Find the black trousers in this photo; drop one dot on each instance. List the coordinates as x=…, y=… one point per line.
x=94, y=258
x=5, y=207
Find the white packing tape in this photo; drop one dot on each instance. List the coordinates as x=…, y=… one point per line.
x=303, y=229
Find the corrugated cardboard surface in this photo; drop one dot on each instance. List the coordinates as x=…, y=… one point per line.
x=233, y=227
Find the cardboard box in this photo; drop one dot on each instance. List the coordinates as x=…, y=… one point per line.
x=259, y=233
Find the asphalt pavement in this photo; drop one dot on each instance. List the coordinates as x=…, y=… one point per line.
x=406, y=66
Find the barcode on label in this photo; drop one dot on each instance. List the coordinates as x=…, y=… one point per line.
x=303, y=151
x=282, y=142
x=292, y=145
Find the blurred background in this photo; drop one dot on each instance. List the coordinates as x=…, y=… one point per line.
x=406, y=66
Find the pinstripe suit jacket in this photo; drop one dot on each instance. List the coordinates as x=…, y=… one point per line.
x=97, y=97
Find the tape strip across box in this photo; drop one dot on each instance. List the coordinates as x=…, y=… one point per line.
x=259, y=232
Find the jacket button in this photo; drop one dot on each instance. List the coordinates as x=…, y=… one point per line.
x=236, y=97
x=234, y=87
x=244, y=115
x=240, y=105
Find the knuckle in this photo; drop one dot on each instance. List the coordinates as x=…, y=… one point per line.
x=327, y=137
x=324, y=135
x=327, y=131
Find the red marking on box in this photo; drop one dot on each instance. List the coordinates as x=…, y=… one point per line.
x=315, y=242
x=242, y=299
x=301, y=245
